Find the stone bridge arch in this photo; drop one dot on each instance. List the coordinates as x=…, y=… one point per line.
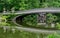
x=41, y=12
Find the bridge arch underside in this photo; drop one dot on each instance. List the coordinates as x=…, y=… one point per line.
x=41, y=17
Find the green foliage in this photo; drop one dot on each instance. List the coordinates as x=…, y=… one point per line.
x=45, y=5
x=51, y=18
x=30, y=19
x=54, y=35
x=27, y=4
x=3, y=17
x=4, y=24
x=19, y=4
x=3, y=20
x=11, y=16
x=58, y=25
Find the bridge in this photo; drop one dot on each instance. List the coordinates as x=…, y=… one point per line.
x=37, y=11
x=41, y=10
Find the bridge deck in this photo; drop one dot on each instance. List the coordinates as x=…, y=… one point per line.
x=43, y=10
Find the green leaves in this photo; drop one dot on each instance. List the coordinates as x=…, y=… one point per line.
x=30, y=19
x=27, y=4
x=4, y=24
x=54, y=35
x=51, y=18
x=58, y=25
